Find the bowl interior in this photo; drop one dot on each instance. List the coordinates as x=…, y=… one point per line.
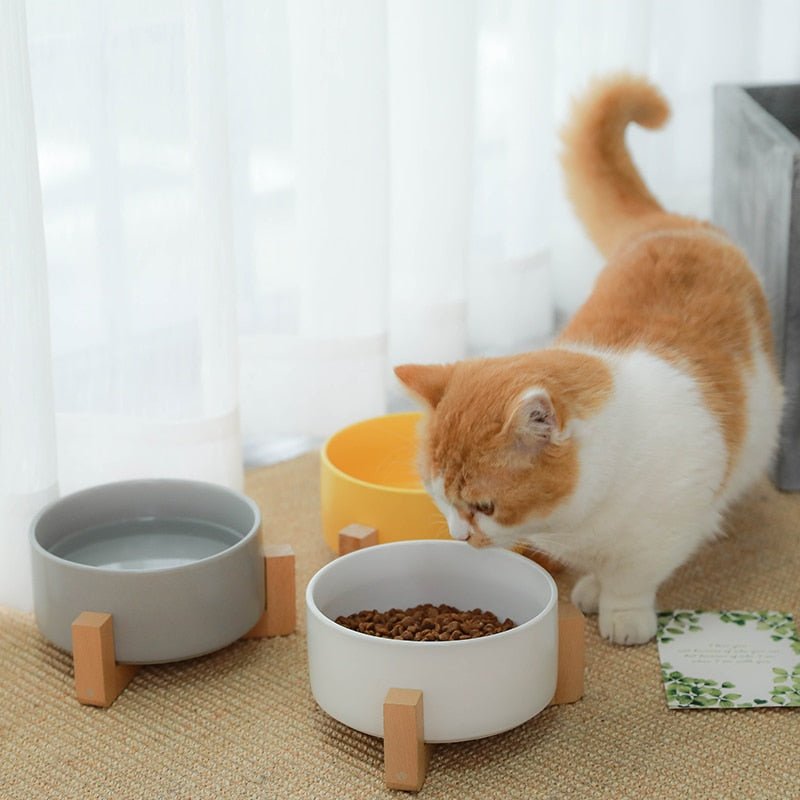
x=380, y=451
x=405, y=574
x=144, y=525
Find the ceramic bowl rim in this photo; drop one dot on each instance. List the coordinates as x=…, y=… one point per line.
x=66, y=563
x=518, y=630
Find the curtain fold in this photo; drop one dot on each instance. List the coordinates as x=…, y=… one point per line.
x=132, y=135
x=252, y=210
x=28, y=472
x=431, y=55
x=510, y=303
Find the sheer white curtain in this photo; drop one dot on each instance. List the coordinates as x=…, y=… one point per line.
x=131, y=124
x=27, y=434
x=253, y=208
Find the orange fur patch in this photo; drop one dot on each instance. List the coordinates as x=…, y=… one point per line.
x=467, y=441
x=692, y=300
x=550, y=564
x=479, y=539
x=674, y=285
x=603, y=183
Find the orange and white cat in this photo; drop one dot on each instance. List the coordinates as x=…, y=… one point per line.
x=616, y=450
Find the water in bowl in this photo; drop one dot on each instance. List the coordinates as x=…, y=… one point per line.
x=146, y=543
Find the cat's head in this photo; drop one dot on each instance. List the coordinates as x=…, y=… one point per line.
x=497, y=448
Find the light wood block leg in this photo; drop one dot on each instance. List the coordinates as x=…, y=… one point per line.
x=99, y=680
x=571, y=654
x=280, y=614
x=356, y=537
x=405, y=753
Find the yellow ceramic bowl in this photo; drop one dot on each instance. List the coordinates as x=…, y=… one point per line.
x=369, y=476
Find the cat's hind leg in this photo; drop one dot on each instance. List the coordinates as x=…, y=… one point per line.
x=586, y=594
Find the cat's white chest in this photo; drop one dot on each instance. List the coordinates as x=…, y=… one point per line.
x=651, y=457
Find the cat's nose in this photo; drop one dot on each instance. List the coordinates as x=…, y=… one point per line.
x=459, y=527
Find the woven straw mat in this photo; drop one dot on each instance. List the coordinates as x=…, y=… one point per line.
x=241, y=723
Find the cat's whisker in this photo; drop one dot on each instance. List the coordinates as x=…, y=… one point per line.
x=441, y=526
x=544, y=537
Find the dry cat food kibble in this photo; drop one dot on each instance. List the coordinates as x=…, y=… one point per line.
x=426, y=623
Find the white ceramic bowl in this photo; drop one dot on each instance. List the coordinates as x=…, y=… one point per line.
x=471, y=688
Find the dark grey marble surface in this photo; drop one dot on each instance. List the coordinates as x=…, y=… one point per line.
x=756, y=199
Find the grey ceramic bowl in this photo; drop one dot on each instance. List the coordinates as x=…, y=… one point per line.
x=177, y=563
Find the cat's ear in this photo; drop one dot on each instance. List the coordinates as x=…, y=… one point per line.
x=426, y=381
x=533, y=421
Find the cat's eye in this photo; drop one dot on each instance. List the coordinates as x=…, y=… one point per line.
x=486, y=508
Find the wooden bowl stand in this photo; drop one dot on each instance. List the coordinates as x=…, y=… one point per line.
x=100, y=679
x=405, y=752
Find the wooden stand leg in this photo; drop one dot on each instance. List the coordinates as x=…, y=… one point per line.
x=99, y=680
x=405, y=753
x=356, y=537
x=571, y=654
x=279, y=617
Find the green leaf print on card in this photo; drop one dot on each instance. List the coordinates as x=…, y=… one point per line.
x=747, y=659
x=685, y=692
x=781, y=626
x=786, y=691
x=674, y=623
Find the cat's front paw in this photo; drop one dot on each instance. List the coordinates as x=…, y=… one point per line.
x=628, y=626
x=586, y=594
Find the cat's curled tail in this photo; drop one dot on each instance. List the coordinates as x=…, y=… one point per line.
x=606, y=190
